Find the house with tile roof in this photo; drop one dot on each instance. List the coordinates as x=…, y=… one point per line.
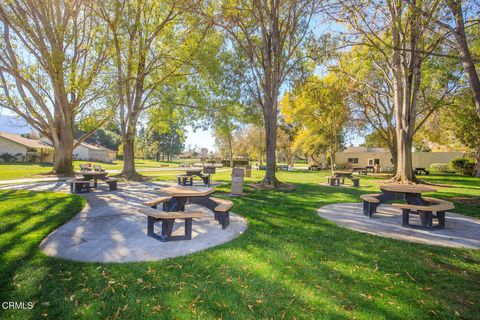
x=14, y=147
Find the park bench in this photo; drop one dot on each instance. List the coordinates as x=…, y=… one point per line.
x=168, y=220
x=355, y=181
x=98, y=168
x=154, y=202
x=85, y=167
x=262, y=167
x=79, y=185
x=206, y=178
x=418, y=171
x=334, y=181
x=361, y=171
x=222, y=211
x=282, y=167
x=112, y=183
x=425, y=212
x=313, y=167
x=185, y=180
x=370, y=203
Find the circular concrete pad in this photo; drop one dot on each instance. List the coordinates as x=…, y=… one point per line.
x=460, y=231
x=110, y=228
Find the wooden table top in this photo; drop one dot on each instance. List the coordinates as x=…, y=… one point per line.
x=194, y=170
x=94, y=173
x=187, y=191
x=406, y=188
x=343, y=172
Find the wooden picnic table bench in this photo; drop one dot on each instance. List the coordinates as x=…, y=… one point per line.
x=85, y=167
x=361, y=171
x=370, y=203
x=112, y=183
x=185, y=180
x=425, y=212
x=168, y=220
x=95, y=176
x=418, y=171
x=155, y=202
x=174, y=208
x=334, y=181
x=414, y=202
x=79, y=185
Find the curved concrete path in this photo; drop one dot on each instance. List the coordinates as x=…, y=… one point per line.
x=460, y=231
x=110, y=228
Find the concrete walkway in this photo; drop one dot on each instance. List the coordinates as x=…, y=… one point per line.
x=110, y=228
x=460, y=231
x=111, y=172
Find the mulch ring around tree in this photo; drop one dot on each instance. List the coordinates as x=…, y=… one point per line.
x=280, y=186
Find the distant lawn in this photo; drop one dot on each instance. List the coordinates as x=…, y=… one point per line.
x=9, y=171
x=289, y=264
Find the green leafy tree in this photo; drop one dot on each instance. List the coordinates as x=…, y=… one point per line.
x=321, y=109
x=270, y=38
x=154, y=43
x=51, y=55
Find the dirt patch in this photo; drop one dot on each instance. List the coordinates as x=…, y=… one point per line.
x=280, y=187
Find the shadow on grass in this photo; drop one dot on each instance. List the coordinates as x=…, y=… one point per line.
x=289, y=263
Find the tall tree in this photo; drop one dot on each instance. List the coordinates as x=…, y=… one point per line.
x=372, y=91
x=321, y=108
x=270, y=36
x=50, y=57
x=398, y=32
x=154, y=43
x=456, y=24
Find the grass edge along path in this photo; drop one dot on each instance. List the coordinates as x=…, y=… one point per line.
x=289, y=264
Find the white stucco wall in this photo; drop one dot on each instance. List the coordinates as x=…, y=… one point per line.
x=419, y=159
x=425, y=159
x=81, y=153
x=98, y=155
x=363, y=157
x=7, y=146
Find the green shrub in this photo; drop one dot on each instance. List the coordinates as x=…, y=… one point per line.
x=463, y=166
x=7, y=157
x=440, y=167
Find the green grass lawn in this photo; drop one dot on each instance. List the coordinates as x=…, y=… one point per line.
x=289, y=264
x=10, y=171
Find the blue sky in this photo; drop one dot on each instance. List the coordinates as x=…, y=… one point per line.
x=204, y=139
x=200, y=138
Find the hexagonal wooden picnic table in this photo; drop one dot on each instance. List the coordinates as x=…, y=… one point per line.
x=180, y=195
x=94, y=175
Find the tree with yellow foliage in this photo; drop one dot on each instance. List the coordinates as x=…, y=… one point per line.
x=320, y=107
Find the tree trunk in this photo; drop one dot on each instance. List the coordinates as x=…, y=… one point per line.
x=270, y=115
x=63, y=143
x=392, y=147
x=465, y=54
x=477, y=157
x=63, y=153
x=230, y=150
x=128, y=140
x=332, y=161
x=404, y=172
x=406, y=80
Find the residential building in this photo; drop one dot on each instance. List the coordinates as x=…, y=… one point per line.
x=14, y=147
x=362, y=157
